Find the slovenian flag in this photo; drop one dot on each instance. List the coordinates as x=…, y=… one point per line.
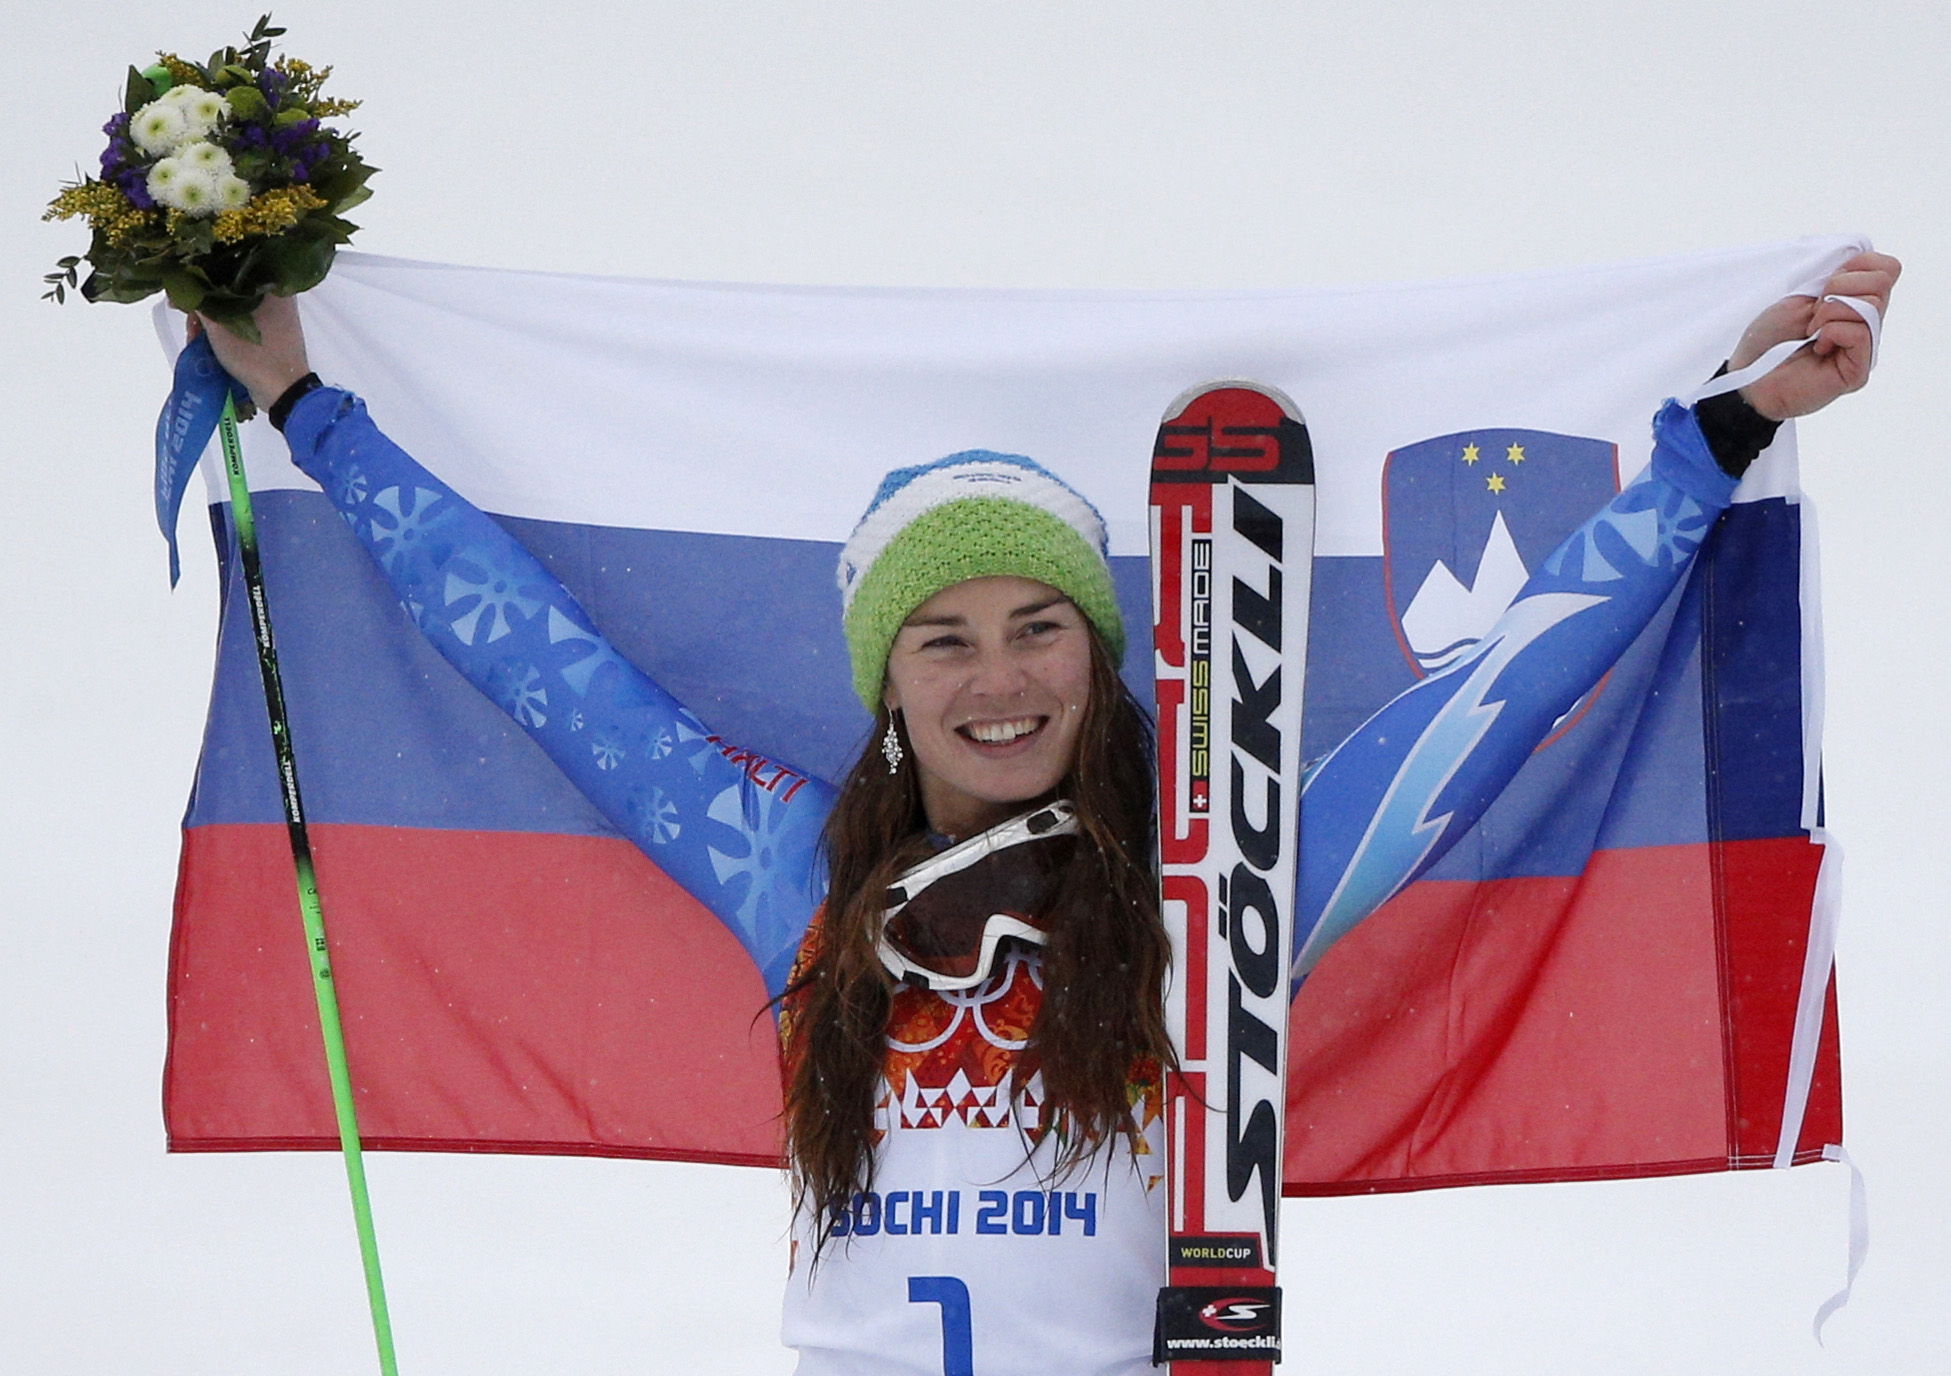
x=1623, y=970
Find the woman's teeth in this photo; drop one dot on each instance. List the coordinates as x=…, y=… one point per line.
x=1001, y=732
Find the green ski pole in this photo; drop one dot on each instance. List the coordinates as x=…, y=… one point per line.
x=308, y=905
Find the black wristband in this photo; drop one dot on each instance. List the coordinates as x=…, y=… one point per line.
x=280, y=410
x=1735, y=431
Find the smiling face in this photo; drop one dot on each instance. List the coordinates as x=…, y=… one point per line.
x=990, y=677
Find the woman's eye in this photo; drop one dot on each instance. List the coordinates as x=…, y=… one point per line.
x=942, y=642
x=1041, y=628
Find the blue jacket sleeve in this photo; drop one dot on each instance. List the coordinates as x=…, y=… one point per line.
x=1393, y=797
x=739, y=832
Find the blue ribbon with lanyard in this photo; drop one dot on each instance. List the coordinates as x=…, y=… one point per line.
x=188, y=419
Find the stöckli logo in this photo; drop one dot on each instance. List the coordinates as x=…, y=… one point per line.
x=1235, y=1314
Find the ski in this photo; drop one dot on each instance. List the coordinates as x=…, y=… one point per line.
x=1232, y=513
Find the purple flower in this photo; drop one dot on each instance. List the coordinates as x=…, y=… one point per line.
x=119, y=149
x=287, y=139
x=135, y=186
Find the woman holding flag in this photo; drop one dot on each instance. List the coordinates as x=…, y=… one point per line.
x=963, y=938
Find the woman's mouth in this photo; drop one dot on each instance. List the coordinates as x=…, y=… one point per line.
x=1005, y=732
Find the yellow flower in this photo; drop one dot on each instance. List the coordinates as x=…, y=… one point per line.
x=268, y=212
x=105, y=208
x=304, y=82
x=180, y=72
x=304, y=79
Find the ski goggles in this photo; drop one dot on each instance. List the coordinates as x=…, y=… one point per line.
x=946, y=916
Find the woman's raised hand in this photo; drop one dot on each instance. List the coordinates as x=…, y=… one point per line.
x=1839, y=359
x=269, y=366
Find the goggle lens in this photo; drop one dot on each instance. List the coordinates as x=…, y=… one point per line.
x=942, y=927
x=944, y=918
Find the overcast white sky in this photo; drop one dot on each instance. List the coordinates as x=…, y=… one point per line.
x=1199, y=143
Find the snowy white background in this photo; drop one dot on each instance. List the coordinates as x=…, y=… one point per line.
x=1200, y=143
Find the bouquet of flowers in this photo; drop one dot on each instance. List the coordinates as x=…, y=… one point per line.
x=220, y=184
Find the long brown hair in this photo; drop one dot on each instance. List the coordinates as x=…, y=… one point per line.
x=1104, y=965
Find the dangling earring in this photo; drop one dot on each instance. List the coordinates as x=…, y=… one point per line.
x=891, y=748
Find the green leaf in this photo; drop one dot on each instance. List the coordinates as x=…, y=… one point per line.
x=138, y=92
x=124, y=293
x=239, y=73
x=185, y=292
x=198, y=236
x=291, y=114
x=247, y=103
x=330, y=228
x=238, y=323
x=359, y=195
x=231, y=303
x=343, y=182
x=60, y=280
x=296, y=264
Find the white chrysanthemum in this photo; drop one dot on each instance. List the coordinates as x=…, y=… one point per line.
x=158, y=127
x=163, y=176
x=193, y=193
x=203, y=110
x=205, y=157
x=178, y=186
x=233, y=193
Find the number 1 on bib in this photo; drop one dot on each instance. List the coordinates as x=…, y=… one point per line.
x=1232, y=509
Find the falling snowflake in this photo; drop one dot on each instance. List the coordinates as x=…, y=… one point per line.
x=575, y=719
x=661, y=744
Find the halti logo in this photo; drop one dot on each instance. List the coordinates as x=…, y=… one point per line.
x=1239, y=1314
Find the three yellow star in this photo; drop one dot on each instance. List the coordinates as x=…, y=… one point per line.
x=1495, y=482
x=1470, y=454
x=1515, y=453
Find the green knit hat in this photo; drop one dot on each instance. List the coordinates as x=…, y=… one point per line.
x=971, y=515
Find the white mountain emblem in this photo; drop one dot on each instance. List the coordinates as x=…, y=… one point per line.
x=1444, y=619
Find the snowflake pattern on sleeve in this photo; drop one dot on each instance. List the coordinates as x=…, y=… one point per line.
x=738, y=831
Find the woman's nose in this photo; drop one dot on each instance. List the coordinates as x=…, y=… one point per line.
x=997, y=674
